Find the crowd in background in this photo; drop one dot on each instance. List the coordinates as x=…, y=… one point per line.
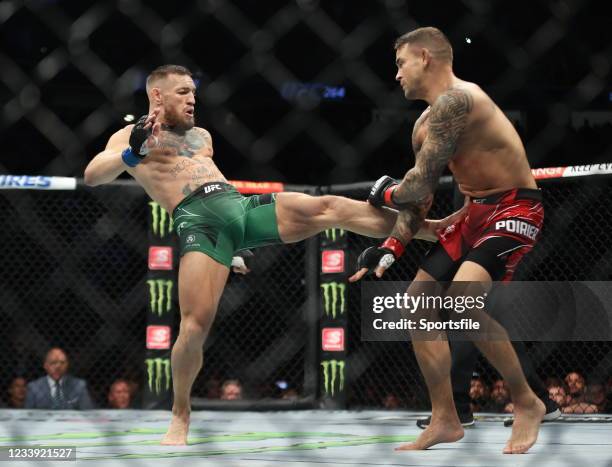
x=573, y=394
x=59, y=390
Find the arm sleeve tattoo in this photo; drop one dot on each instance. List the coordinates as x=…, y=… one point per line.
x=414, y=195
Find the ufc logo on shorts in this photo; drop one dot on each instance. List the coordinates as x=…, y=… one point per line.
x=209, y=188
x=518, y=227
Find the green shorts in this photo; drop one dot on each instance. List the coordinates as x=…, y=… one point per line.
x=218, y=221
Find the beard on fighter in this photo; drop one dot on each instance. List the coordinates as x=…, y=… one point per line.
x=178, y=120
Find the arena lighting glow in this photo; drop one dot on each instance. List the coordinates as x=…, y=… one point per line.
x=468, y=40
x=294, y=89
x=129, y=118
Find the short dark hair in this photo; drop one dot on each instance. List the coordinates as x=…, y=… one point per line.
x=229, y=382
x=431, y=38
x=55, y=348
x=117, y=381
x=163, y=71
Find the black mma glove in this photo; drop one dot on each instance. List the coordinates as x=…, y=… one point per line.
x=134, y=155
x=383, y=255
x=381, y=191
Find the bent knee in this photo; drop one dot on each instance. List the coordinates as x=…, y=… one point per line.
x=197, y=323
x=336, y=210
x=328, y=205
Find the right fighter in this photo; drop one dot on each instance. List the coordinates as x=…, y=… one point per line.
x=463, y=129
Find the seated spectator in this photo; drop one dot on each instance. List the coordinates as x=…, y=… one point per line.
x=596, y=395
x=500, y=396
x=119, y=395
x=58, y=390
x=576, y=384
x=479, y=395
x=231, y=390
x=577, y=394
x=390, y=401
x=290, y=394
x=17, y=393
x=559, y=395
x=553, y=381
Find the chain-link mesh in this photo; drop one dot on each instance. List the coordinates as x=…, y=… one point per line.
x=576, y=245
x=300, y=80
x=74, y=265
x=259, y=333
x=304, y=81
x=74, y=276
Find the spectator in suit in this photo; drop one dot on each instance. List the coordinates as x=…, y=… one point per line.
x=57, y=390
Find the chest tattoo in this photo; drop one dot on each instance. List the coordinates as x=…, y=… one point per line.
x=186, y=145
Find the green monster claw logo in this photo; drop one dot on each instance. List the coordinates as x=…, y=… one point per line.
x=161, y=221
x=157, y=370
x=334, y=234
x=160, y=293
x=331, y=369
x=334, y=298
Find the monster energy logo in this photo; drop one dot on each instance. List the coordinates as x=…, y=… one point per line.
x=159, y=220
x=158, y=369
x=332, y=370
x=333, y=234
x=334, y=298
x=160, y=292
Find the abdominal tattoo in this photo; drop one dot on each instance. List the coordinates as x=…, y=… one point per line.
x=187, y=190
x=198, y=174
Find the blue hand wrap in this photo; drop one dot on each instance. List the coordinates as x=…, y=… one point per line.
x=130, y=158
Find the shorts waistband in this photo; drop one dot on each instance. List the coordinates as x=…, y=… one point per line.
x=510, y=195
x=206, y=190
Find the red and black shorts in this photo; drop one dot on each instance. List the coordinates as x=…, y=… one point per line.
x=496, y=233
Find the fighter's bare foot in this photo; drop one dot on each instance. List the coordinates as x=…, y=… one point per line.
x=177, y=431
x=527, y=419
x=436, y=433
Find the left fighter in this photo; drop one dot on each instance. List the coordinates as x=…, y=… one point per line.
x=173, y=161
